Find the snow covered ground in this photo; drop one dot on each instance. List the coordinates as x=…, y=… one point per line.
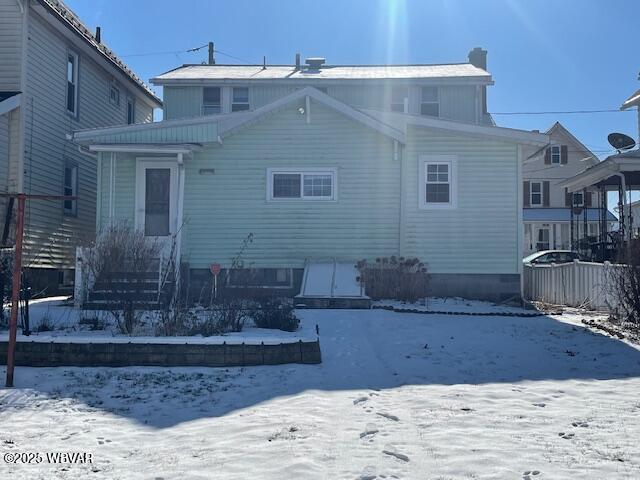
x=397, y=396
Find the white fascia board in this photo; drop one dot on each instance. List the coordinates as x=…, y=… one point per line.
x=187, y=150
x=10, y=104
x=591, y=176
x=401, y=120
x=442, y=81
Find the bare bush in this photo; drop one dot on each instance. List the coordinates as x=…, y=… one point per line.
x=624, y=280
x=403, y=279
x=121, y=249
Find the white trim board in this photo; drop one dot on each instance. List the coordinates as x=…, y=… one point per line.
x=10, y=103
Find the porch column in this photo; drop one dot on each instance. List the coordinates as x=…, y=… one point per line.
x=180, y=217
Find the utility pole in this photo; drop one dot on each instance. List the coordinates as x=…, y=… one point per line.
x=212, y=58
x=17, y=273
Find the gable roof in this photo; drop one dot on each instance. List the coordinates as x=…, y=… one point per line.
x=632, y=101
x=251, y=73
x=214, y=128
x=558, y=127
x=68, y=18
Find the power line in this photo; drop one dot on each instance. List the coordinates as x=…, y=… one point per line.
x=189, y=50
x=562, y=112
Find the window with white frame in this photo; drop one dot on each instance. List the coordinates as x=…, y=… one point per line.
x=438, y=182
x=72, y=83
x=556, y=154
x=536, y=193
x=398, y=97
x=430, y=101
x=578, y=199
x=70, y=187
x=211, y=103
x=240, y=99
x=114, y=95
x=301, y=184
x=131, y=110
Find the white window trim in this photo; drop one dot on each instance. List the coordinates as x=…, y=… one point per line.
x=247, y=103
x=559, y=147
x=541, y=193
x=430, y=102
x=302, y=172
x=142, y=163
x=405, y=99
x=452, y=161
x=76, y=76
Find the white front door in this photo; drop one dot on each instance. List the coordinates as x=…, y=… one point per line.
x=156, y=198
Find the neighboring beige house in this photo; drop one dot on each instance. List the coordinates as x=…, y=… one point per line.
x=56, y=77
x=547, y=214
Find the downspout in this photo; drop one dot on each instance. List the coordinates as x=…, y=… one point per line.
x=99, y=192
x=398, y=154
x=520, y=223
x=179, y=226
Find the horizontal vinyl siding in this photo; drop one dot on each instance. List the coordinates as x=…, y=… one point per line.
x=222, y=209
x=10, y=45
x=480, y=235
x=124, y=189
x=456, y=102
x=51, y=236
x=4, y=163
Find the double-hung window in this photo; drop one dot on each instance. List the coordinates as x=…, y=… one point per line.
x=536, y=193
x=72, y=83
x=438, y=181
x=578, y=199
x=289, y=184
x=556, y=154
x=131, y=111
x=70, y=187
x=240, y=99
x=429, y=101
x=399, y=96
x=211, y=100
x=114, y=95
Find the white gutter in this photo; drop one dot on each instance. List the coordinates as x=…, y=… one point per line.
x=10, y=103
x=140, y=149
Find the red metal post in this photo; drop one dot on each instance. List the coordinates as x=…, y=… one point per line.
x=15, y=294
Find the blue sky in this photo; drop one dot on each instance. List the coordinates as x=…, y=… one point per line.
x=543, y=55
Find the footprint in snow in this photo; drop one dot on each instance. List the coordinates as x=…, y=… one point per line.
x=391, y=451
x=530, y=474
x=541, y=405
x=360, y=400
x=388, y=416
x=566, y=436
x=369, y=430
x=369, y=473
x=580, y=424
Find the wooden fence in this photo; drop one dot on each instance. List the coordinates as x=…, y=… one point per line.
x=574, y=284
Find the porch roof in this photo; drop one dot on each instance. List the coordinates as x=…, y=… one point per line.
x=553, y=215
x=607, y=173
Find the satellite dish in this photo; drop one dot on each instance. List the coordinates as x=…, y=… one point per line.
x=620, y=141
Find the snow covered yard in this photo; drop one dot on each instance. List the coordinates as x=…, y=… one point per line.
x=397, y=396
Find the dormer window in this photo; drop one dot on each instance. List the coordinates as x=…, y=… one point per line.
x=430, y=101
x=240, y=99
x=210, y=100
x=399, y=97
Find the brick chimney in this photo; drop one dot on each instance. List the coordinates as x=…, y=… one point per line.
x=478, y=58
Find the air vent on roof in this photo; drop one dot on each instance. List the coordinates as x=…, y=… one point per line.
x=315, y=62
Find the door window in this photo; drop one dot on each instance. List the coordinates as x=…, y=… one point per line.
x=157, y=202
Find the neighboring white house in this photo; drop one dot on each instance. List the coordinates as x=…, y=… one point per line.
x=56, y=77
x=548, y=208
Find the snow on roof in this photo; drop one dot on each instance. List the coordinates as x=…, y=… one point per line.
x=633, y=100
x=327, y=72
x=69, y=18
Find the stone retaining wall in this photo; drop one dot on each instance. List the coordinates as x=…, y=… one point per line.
x=40, y=354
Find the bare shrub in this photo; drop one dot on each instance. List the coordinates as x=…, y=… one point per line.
x=403, y=279
x=624, y=281
x=122, y=249
x=275, y=313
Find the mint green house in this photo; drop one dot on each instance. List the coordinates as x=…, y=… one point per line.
x=324, y=163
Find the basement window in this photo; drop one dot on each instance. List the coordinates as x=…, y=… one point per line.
x=210, y=100
x=260, y=278
x=301, y=184
x=240, y=99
